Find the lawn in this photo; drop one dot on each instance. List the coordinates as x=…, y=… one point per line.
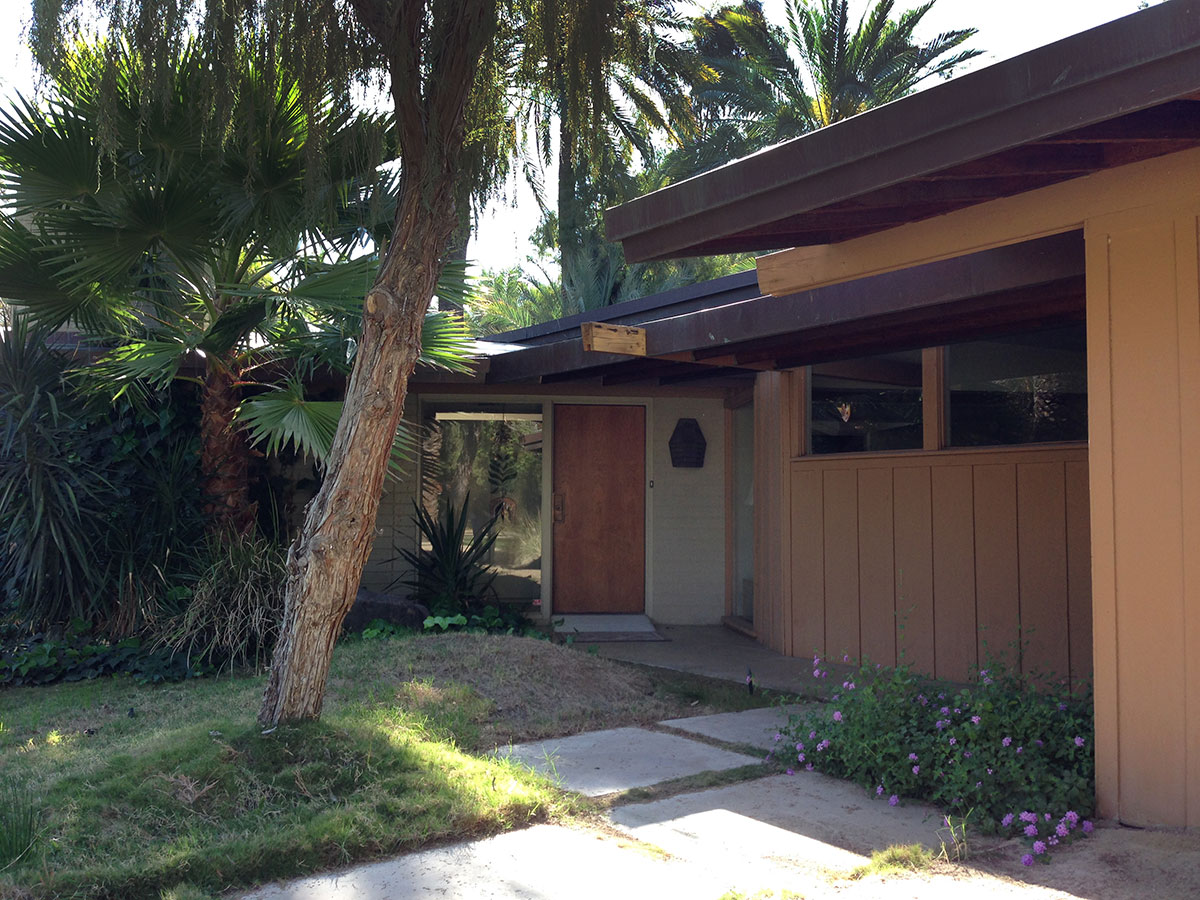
x=175, y=791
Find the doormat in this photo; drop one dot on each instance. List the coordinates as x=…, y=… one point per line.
x=609, y=637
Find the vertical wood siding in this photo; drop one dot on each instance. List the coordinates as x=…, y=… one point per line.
x=944, y=559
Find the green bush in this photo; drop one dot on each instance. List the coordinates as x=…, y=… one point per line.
x=988, y=751
x=93, y=496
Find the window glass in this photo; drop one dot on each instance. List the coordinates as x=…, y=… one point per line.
x=868, y=404
x=491, y=453
x=1020, y=389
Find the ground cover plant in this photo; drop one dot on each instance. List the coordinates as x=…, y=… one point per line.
x=144, y=789
x=1007, y=755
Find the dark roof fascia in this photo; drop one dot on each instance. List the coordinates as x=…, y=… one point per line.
x=1135, y=62
x=736, y=326
x=727, y=289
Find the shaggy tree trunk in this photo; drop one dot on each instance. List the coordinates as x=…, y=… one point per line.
x=325, y=563
x=224, y=455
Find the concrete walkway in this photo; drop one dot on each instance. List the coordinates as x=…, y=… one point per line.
x=696, y=844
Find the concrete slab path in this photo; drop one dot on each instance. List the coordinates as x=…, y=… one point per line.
x=756, y=727
x=803, y=833
x=607, y=762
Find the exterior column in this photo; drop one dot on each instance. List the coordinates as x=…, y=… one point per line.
x=1143, y=297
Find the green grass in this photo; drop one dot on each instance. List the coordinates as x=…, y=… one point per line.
x=896, y=858
x=188, y=797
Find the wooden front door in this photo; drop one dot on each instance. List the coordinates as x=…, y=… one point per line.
x=599, y=509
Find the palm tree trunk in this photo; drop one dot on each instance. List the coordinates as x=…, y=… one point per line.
x=570, y=223
x=224, y=455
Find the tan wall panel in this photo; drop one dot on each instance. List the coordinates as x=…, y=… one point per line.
x=1042, y=544
x=841, y=563
x=808, y=564
x=1079, y=571
x=768, y=510
x=876, y=566
x=997, y=585
x=954, y=625
x=1146, y=452
x=913, y=523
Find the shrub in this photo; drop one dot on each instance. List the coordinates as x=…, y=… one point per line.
x=988, y=749
x=93, y=496
x=235, y=609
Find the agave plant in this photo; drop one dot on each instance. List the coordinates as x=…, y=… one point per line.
x=451, y=576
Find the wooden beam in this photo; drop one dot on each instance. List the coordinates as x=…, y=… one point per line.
x=600, y=337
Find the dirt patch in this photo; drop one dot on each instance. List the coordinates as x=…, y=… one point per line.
x=537, y=689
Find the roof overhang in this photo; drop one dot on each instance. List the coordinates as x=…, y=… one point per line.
x=1032, y=284
x=1120, y=93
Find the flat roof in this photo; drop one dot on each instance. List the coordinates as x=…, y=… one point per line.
x=1126, y=91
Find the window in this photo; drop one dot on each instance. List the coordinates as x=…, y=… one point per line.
x=868, y=404
x=1020, y=389
x=491, y=453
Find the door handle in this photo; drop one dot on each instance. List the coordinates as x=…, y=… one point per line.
x=560, y=513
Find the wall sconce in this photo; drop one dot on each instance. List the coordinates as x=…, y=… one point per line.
x=687, y=445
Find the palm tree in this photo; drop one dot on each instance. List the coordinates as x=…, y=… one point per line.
x=614, y=76
x=185, y=258
x=771, y=84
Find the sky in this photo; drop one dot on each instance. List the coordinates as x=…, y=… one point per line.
x=1006, y=28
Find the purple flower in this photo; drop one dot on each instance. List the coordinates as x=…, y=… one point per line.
x=1030, y=831
x=913, y=757
x=816, y=673
x=1006, y=741
x=966, y=754
x=957, y=711
x=837, y=715
x=945, y=710
x=1062, y=707
x=1079, y=742
x=1072, y=817
x=1027, y=816
x=1046, y=816
x=1019, y=749
x=975, y=720
x=893, y=800
x=1087, y=827
x=778, y=737
x=799, y=746
x=1006, y=821
x=812, y=735
x=846, y=657
x=1053, y=842
x=1027, y=859
x=953, y=741
x=791, y=771
x=808, y=767
x=1038, y=741
x=1039, y=847
x=989, y=771
x=916, y=770
x=850, y=686
x=879, y=791
x=799, y=757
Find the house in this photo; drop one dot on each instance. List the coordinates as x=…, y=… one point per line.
x=959, y=411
